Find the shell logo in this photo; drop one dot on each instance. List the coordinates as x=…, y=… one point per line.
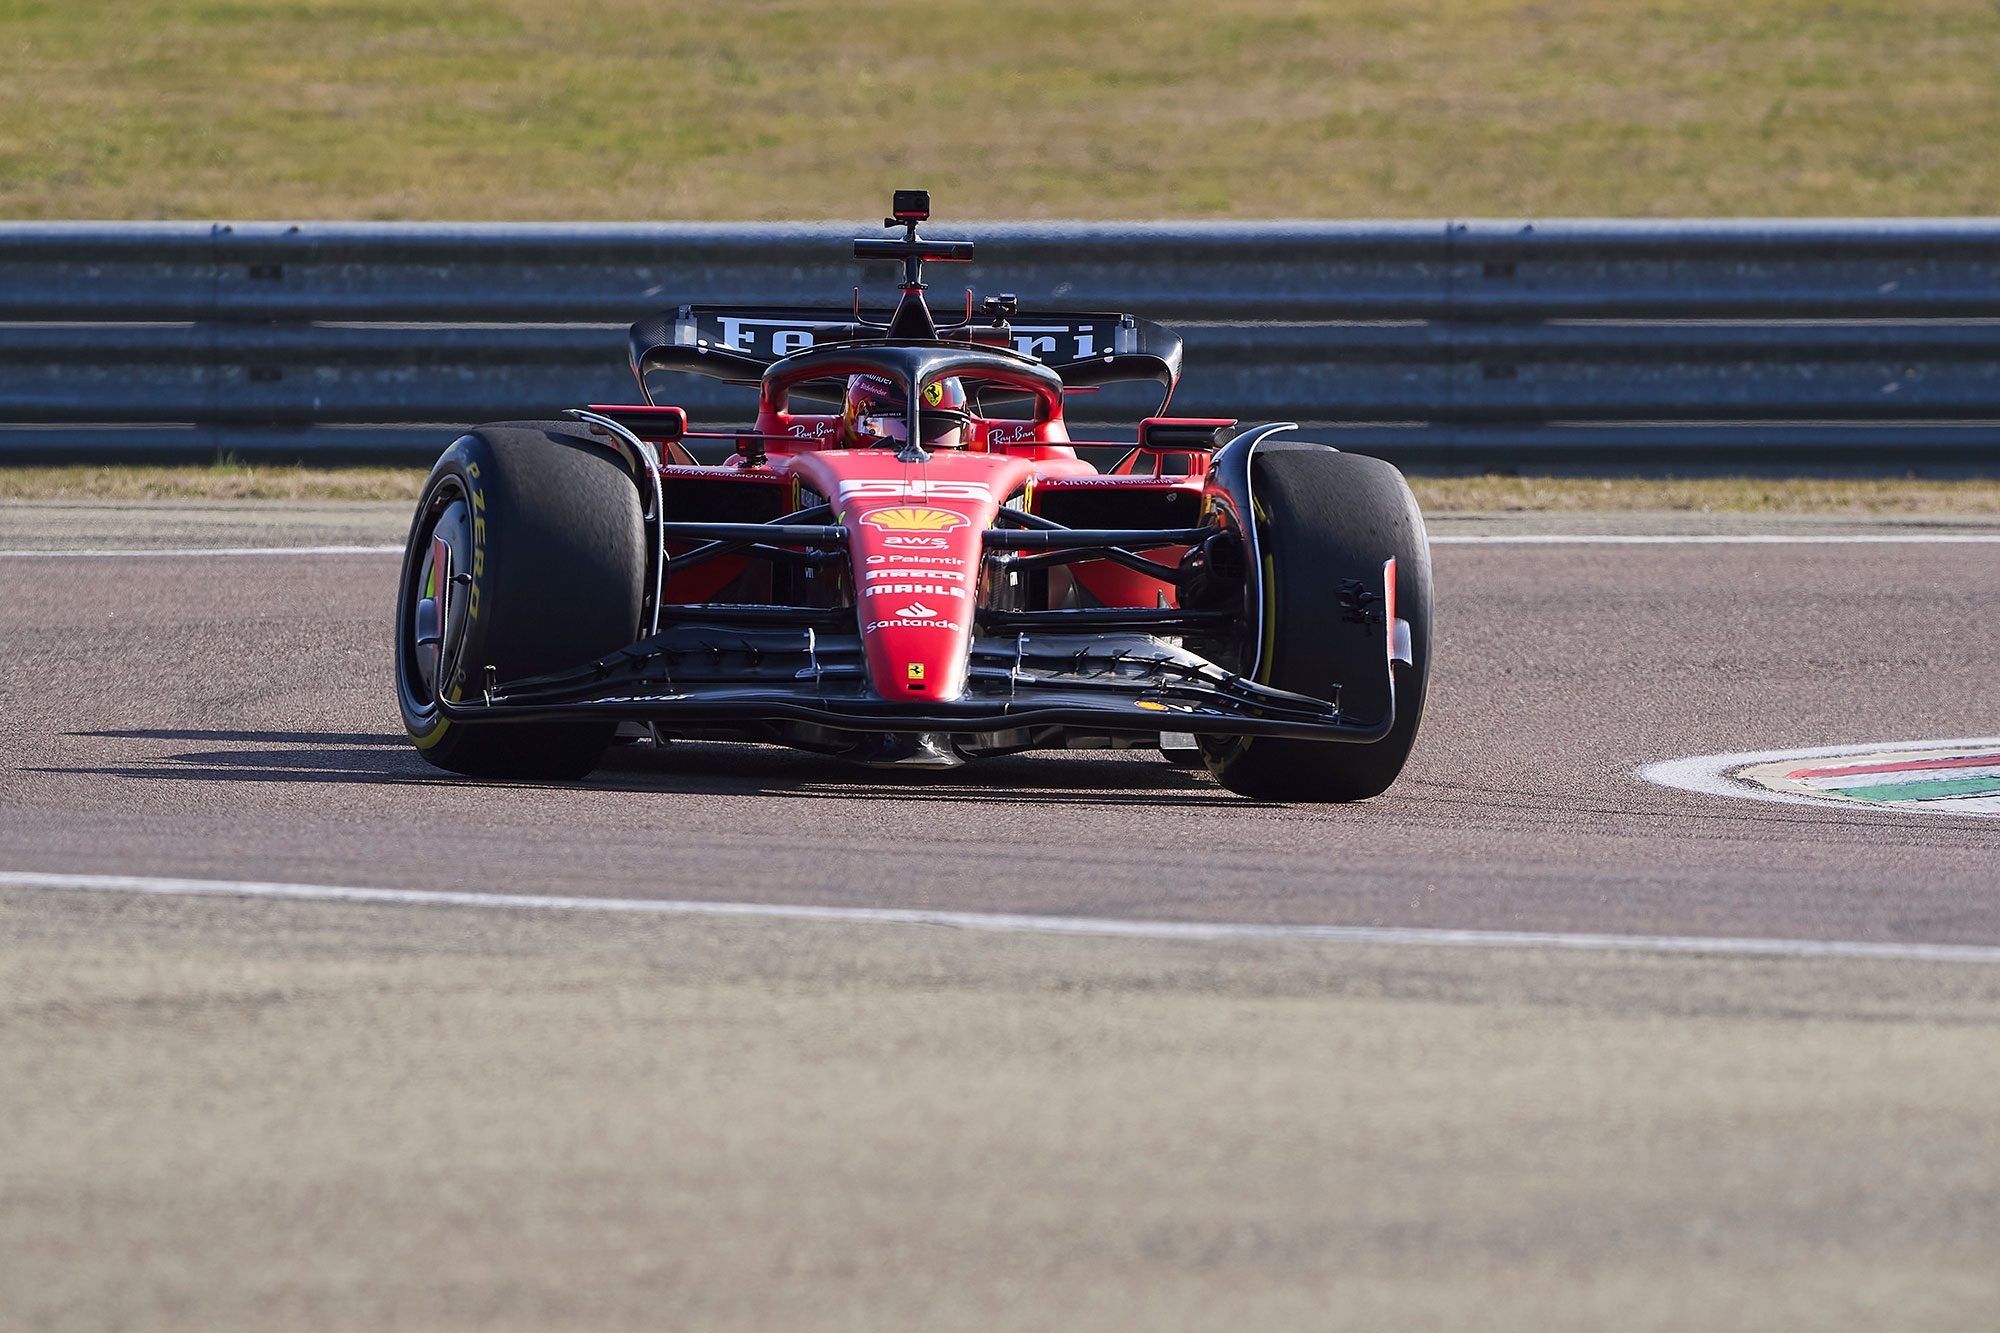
x=908, y=518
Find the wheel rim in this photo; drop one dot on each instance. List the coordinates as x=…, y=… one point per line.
x=425, y=636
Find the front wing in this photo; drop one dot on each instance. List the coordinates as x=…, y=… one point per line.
x=696, y=675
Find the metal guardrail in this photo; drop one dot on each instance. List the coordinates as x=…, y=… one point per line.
x=1744, y=345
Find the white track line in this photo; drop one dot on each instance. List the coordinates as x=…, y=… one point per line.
x=1017, y=923
x=200, y=551
x=1717, y=539
x=1468, y=539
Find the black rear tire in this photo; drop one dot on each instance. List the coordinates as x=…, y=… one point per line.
x=1326, y=518
x=547, y=523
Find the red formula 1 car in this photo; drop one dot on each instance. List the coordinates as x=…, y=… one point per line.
x=906, y=562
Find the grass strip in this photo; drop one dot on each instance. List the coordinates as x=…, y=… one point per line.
x=1706, y=495
x=690, y=109
x=229, y=481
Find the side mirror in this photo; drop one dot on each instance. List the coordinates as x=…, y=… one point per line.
x=1199, y=433
x=660, y=424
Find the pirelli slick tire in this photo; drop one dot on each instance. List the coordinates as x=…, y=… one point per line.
x=1326, y=521
x=546, y=570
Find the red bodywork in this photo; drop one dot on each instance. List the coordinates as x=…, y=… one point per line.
x=916, y=528
x=932, y=574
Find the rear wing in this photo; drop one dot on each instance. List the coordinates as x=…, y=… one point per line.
x=738, y=343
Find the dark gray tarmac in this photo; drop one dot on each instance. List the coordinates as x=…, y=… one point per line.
x=227, y=1114
x=231, y=718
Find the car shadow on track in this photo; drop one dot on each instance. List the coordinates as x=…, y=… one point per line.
x=267, y=737
x=680, y=768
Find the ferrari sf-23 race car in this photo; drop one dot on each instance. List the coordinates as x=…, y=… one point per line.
x=905, y=561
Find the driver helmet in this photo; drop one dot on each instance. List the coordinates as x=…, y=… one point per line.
x=875, y=412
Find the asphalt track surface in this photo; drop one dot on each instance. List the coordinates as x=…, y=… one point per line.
x=204, y=717
x=878, y=1125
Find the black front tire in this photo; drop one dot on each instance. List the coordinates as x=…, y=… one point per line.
x=1327, y=520
x=547, y=524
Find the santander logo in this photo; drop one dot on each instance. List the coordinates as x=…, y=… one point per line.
x=917, y=611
